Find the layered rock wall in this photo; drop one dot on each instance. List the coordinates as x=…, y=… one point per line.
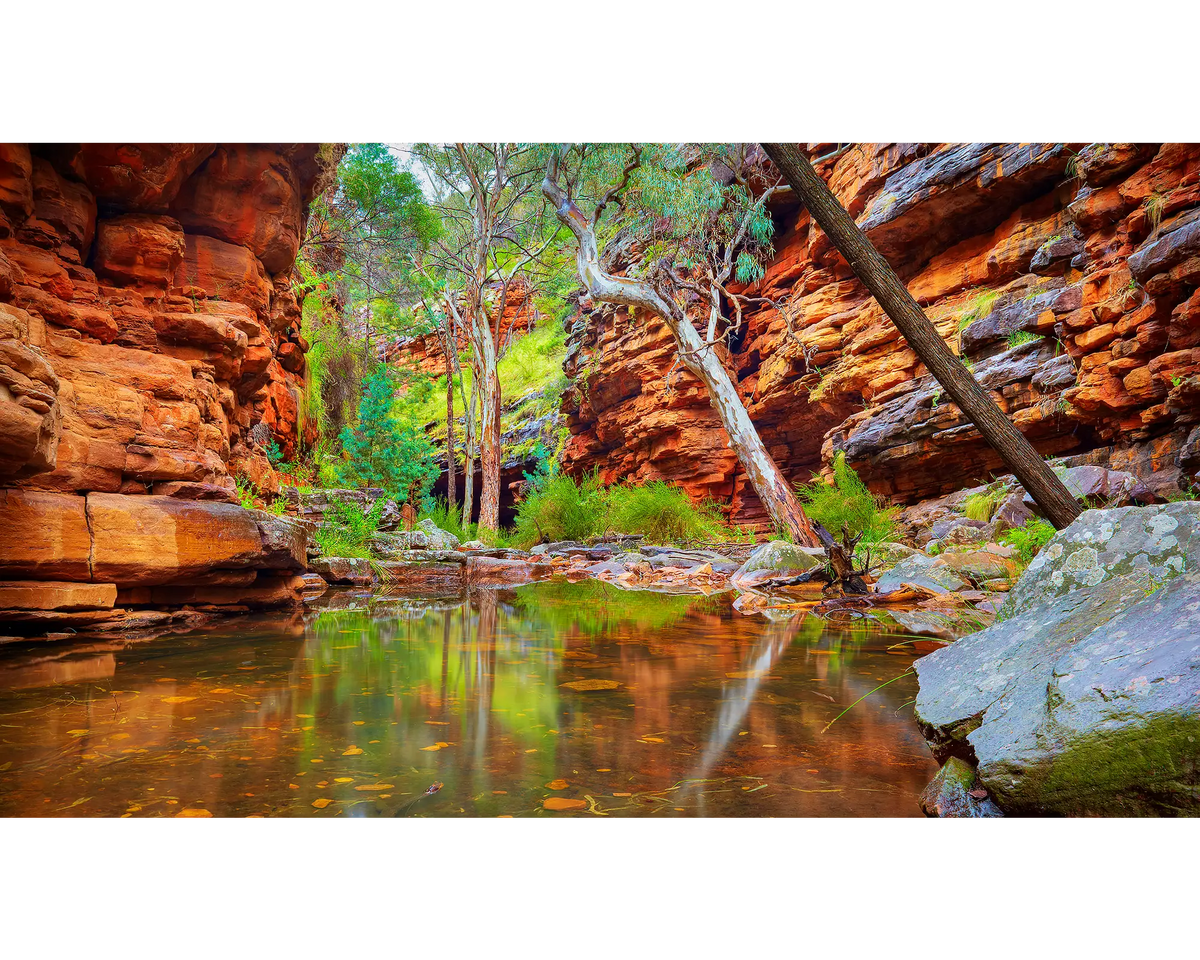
x=1065, y=275
x=149, y=344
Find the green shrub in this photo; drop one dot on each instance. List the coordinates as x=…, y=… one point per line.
x=559, y=508
x=445, y=518
x=347, y=530
x=847, y=503
x=245, y=492
x=383, y=452
x=662, y=513
x=1029, y=538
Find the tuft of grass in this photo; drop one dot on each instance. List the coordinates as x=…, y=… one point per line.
x=561, y=508
x=977, y=309
x=1155, y=205
x=558, y=507
x=1020, y=338
x=1029, y=538
x=347, y=530
x=982, y=506
x=848, y=504
x=662, y=513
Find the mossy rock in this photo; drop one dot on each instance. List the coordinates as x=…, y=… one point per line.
x=777, y=559
x=1083, y=698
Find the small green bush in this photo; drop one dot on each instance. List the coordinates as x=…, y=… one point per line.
x=347, y=530
x=847, y=503
x=245, y=492
x=1029, y=538
x=1021, y=337
x=559, y=508
x=662, y=513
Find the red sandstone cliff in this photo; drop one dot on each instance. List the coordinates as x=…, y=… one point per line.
x=147, y=319
x=1099, y=256
x=147, y=327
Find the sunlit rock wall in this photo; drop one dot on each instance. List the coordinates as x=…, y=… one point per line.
x=1076, y=266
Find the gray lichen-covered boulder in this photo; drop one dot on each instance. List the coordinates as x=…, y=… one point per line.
x=436, y=537
x=920, y=571
x=776, y=559
x=1084, y=697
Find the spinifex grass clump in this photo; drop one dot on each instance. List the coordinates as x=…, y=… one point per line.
x=982, y=506
x=662, y=514
x=1029, y=538
x=848, y=504
x=560, y=508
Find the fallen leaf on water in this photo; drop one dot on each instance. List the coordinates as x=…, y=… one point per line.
x=321, y=803
x=531, y=750
x=557, y=785
x=359, y=723
x=500, y=793
x=604, y=769
x=317, y=760
x=177, y=699
x=343, y=779
x=436, y=746
x=585, y=685
x=652, y=740
x=438, y=723
x=622, y=794
x=221, y=690
x=745, y=674
x=78, y=733
x=769, y=745
x=125, y=736
x=365, y=787
x=563, y=803
x=193, y=812
x=352, y=751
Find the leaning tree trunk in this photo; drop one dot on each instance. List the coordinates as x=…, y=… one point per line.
x=878, y=277
x=700, y=358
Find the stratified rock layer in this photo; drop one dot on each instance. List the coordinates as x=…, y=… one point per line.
x=1065, y=274
x=149, y=343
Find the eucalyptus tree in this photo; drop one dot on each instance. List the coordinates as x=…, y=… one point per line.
x=494, y=228
x=699, y=215
x=365, y=233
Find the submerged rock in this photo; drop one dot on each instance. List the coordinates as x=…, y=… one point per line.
x=1084, y=698
x=954, y=793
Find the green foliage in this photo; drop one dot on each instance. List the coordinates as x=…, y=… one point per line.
x=559, y=508
x=978, y=308
x=246, y=492
x=438, y=510
x=1029, y=538
x=848, y=504
x=274, y=454
x=1021, y=337
x=982, y=506
x=382, y=452
x=346, y=530
x=662, y=513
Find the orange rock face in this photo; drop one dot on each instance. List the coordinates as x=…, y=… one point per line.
x=145, y=296
x=1070, y=292
x=147, y=326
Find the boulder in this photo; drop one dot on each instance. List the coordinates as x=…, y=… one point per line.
x=1083, y=697
x=139, y=248
x=920, y=571
x=1093, y=484
x=490, y=571
x=437, y=538
x=353, y=571
x=778, y=558
x=978, y=565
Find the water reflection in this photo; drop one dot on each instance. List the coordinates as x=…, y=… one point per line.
x=629, y=703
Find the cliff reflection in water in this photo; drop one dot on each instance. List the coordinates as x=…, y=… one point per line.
x=644, y=704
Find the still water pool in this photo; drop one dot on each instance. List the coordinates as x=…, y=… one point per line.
x=629, y=703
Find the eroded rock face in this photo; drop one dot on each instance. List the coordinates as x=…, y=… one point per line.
x=137, y=354
x=1083, y=698
x=1077, y=311
x=146, y=310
